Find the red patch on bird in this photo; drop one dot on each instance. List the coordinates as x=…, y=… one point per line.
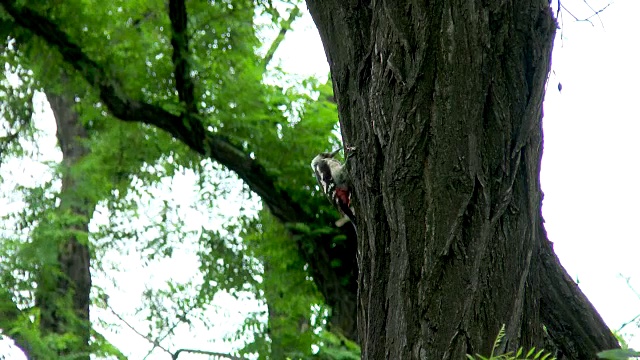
x=343, y=195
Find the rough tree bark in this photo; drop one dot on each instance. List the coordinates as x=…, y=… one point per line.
x=443, y=102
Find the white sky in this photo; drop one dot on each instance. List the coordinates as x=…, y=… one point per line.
x=590, y=174
x=590, y=169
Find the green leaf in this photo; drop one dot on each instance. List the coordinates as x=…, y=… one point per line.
x=618, y=354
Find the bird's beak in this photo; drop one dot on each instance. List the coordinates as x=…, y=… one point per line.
x=335, y=152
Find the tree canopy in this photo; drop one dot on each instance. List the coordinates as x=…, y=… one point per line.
x=151, y=91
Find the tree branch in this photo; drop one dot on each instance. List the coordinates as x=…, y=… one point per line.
x=188, y=129
x=285, y=25
x=180, y=44
x=587, y=19
x=176, y=354
x=191, y=131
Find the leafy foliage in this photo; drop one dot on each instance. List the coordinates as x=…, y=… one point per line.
x=130, y=166
x=619, y=354
x=532, y=354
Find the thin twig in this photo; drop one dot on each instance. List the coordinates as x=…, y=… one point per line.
x=573, y=16
x=597, y=13
x=151, y=341
x=587, y=19
x=176, y=354
x=628, y=281
x=629, y=322
x=594, y=12
x=169, y=332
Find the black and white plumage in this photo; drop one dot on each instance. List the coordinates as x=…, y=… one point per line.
x=334, y=181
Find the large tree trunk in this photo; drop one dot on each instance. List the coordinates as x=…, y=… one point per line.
x=69, y=281
x=443, y=103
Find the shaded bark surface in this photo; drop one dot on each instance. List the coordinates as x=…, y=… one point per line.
x=443, y=102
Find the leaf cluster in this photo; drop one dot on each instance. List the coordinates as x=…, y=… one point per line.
x=531, y=354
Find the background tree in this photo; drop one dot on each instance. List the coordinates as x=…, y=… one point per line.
x=240, y=129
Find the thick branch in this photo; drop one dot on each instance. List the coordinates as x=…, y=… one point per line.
x=180, y=44
x=189, y=130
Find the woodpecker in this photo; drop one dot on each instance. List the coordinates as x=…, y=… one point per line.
x=333, y=179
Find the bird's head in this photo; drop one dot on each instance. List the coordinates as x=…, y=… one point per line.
x=328, y=155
